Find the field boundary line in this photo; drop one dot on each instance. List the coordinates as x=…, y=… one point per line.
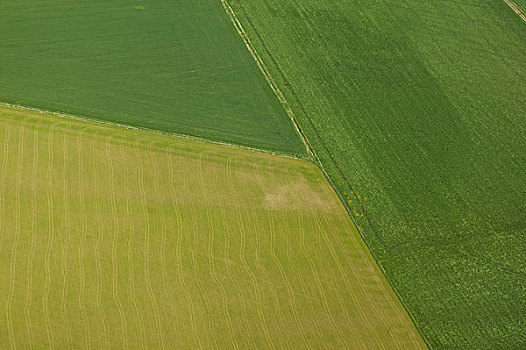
x=153, y=131
x=320, y=166
x=253, y=52
x=516, y=9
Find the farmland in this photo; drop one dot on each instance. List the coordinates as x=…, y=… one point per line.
x=174, y=66
x=521, y=4
x=115, y=238
x=417, y=112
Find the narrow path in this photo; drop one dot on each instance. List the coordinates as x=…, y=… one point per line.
x=515, y=8
x=261, y=65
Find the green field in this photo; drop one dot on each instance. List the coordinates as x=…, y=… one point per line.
x=113, y=238
x=521, y=4
x=416, y=109
x=175, y=66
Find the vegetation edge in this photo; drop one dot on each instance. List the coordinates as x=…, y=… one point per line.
x=316, y=160
x=153, y=131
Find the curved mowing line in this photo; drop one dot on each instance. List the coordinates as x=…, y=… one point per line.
x=257, y=261
x=147, y=267
x=240, y=295
x=307, y=344
x=162, y=218
x=50, y=234
x=216, y=279
x=366, y=315
x=239, y=205
x=115, y=271
x=301, y=224
x=31, y=238
x=283, y=274
x=68, y=239
x=12, y=266
x=344, y=278
x=309, y=259
x=324, y=299
x=246, y=267
x=100, y=237
x=243, y=214
x=195, y=266
x=383, y=288
x=241, y=31
x=178, y=257
x=82, y=241
x=5, y=157
x=276, y=261
x=131, y=274
x=2, y=205
x=330, y=271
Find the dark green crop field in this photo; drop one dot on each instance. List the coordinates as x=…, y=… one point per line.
x=521, y=4
x=417, y=110
x=175, y=66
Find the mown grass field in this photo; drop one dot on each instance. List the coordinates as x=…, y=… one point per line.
x=175, y=66
x=417, y=112
x=113, y=238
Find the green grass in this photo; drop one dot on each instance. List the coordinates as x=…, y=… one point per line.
x=521, y=4
x=175, y=66
x=122, y=239
x=416, y=110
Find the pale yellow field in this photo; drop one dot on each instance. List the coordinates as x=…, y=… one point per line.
x=112, y=238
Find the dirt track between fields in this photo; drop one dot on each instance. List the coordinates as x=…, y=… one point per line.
x=515, y=8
